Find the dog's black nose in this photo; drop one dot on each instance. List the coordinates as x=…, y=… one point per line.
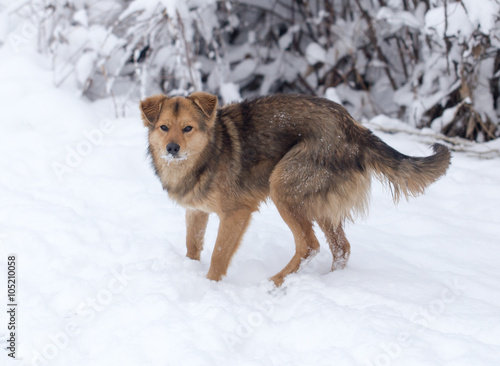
x=173, y=148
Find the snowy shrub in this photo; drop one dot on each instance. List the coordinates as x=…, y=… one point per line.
x=433, y=63
x=456, y=86
x=127, y=48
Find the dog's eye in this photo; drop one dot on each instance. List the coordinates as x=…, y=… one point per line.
x=187, y=129
x=164, y=128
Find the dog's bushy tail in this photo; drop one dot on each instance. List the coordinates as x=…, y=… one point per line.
x=407, y=175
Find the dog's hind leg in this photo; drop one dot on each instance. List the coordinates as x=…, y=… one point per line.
x=306, y=243
x=196, y=223
x=231, y=229
x=294, y=184
x=339, y=245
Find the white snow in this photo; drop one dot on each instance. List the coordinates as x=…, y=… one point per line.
x=170, y=158
x=482, y=13
x=243, y=70
x=398, y=19
x=331, y=94
x=81, y=17
x=230, y=92
x=103, y=277
x=458, y=22
x=315, y=53
x=4, y=24
x=287, y=38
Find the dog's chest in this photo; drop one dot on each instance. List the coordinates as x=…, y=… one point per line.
x=205, y=203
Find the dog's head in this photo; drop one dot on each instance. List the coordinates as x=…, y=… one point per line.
x=178, y=126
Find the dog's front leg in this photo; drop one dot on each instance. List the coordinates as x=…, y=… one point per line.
x=231, y=229
x=196, y=223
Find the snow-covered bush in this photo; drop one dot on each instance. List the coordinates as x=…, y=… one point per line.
x=433, y=63
x=456, y=85
x=127, y=48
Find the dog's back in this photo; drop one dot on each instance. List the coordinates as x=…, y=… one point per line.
x=318, y=158
x=313, y=133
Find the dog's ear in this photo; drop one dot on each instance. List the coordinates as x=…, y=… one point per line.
x=206, y=102
x=150, y=109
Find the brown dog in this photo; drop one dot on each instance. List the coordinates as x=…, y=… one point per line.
x=306, y=153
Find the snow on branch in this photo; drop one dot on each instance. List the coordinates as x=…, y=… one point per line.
x=431, y=63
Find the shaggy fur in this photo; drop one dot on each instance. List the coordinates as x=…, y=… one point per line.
x=306, y=153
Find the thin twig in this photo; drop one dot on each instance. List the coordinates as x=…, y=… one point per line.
x=306, y=84
x=188, y=51
x=115, y=104
x=373, y=39
x=402, y=57
x=446, y=42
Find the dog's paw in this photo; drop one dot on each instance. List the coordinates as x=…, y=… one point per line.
x=214, y=275
x=340, y=259
x=339, y=264
x=193, y=256
x=268, y=286
x=277, y=279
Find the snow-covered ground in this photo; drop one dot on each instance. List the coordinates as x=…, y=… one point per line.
x=103, y=278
